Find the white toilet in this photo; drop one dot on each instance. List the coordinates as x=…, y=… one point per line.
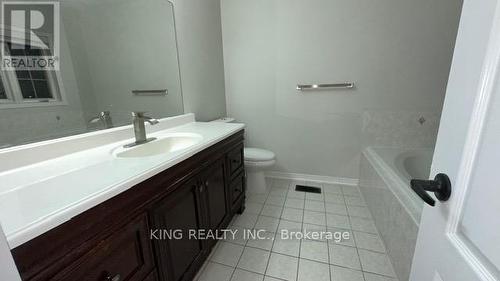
x=257, y=161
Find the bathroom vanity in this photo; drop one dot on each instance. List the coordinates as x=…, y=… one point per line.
x=124, y=237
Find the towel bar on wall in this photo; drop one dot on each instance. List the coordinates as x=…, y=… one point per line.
x=346, y=85
x=162, y=92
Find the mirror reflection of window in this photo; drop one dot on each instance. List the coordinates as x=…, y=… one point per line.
x=3, y=95
x=34, y=84
x=27, y=86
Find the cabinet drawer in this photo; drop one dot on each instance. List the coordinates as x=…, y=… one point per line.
x=125, y=255
x=236, y=160
x=237, y=187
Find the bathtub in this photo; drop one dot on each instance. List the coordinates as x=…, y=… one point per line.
x=385, y=175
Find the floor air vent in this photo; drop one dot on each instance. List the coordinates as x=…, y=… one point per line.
x=306, y=188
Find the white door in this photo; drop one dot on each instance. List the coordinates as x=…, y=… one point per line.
x=459, y=240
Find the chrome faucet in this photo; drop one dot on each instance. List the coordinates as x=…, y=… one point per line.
x=104, y=117
x=140, y=130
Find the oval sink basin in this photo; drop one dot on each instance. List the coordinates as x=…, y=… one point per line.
x=163, y=145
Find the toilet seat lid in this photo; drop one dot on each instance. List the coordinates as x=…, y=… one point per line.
x=257, y=154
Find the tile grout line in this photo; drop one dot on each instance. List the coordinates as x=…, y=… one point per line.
x=327, y=244
x=236, y=266
x=269, y=258
x=327, y=225
x=378, y=235
x=348, y=216
x=285, y=195
x=300, y=241
x=274, y=238
x=345, y=267
x=348, y=246
x=356, y=244
x=338, y=214
x=336, y=265
x=246, y=242
x=376, y=228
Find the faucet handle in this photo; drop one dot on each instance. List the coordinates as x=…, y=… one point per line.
x=104, y=117
x=100, y=116
x=143, y=117
x=104, y=113
x=138, y=113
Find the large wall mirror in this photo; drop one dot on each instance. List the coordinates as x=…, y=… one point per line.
x=116, y=56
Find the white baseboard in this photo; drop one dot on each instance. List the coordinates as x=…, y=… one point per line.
x=313, y=178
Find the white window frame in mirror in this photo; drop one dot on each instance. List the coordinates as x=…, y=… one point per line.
x=11, y=84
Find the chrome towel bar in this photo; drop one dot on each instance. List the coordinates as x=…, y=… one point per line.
x=162, y=92
x=346, y=85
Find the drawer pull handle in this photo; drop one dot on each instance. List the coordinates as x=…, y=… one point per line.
x=235, y=161
x=117, y=277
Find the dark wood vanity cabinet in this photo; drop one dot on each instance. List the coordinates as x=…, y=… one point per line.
x=201, y=204
x=146, y=233
x=175, y=216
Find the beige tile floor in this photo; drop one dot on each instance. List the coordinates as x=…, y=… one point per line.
x=338, y=208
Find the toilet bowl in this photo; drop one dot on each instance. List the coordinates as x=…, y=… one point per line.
x=257, y=161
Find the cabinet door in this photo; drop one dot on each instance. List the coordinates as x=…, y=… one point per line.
x=216, y=195
x=179, y=258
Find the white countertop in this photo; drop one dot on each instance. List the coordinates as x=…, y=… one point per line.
x=41, y=196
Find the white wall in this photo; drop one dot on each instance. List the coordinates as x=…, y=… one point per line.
x=198, y=26
x=398, y=53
